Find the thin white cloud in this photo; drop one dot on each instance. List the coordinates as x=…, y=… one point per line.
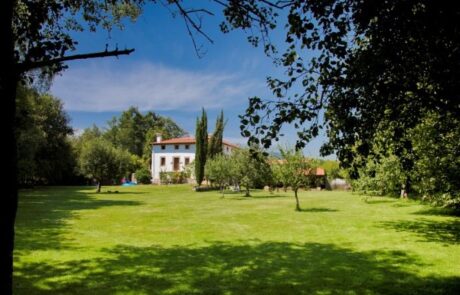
x=100, y=87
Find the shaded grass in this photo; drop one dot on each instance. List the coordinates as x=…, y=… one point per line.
x=171, y=240
x=429, y=230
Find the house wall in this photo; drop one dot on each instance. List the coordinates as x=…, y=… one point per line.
x=227, y=149
x=170, y=153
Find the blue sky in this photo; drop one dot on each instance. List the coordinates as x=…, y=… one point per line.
x=165, y=75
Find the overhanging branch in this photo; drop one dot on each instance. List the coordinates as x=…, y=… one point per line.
x=27, y=66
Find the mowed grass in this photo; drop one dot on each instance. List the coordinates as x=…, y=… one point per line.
x=171, y=240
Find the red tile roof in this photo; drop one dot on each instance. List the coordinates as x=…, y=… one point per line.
x=318, y=171
x=188, y=140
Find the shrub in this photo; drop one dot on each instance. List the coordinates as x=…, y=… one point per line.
x=164, y=178
x=445, y=200
x=173, y=177
x=143, y=176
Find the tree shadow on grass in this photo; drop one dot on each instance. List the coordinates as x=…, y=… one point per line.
x=43, y=216
x=269, y=196
x=438, y=212
x=255, y=197
x=222, y=268
x=314, y=210
x=447, y=232
x=117, y=192
x=377, y=201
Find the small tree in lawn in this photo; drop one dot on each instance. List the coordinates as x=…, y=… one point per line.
x=277, y=176
x=218, y=170
x=250, y=169
x=292, y=171
x=101, y=161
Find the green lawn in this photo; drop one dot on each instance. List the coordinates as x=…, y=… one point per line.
x=170, y=240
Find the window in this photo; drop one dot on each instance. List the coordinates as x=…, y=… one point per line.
x=187, y=161
x=176, y=163
x=187, y=146
x=176, y=147
x=163, y=147
x=162, y=161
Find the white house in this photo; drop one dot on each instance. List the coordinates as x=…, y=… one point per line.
x=174, y=154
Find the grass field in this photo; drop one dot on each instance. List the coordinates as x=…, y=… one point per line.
x=171, y=240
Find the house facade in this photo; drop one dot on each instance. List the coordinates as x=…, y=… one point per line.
x=173, y=155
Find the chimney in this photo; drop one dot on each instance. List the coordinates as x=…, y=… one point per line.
x=158, y=137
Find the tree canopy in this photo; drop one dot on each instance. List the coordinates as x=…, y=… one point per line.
x=292, y=171
x=354, y=67
x=135, y=132
x=101, y=161
x=251, y=168
x=44, y=152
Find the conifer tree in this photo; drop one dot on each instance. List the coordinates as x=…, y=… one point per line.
x=215, y=143
x=201, y=138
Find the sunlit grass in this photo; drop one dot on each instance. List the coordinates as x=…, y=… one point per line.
x=171, y=240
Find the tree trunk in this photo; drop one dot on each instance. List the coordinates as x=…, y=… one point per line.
x=99, y=185
x=247, y=194
x=405, y=189
x=297, y=204
x=408, y=187
x=8, y=82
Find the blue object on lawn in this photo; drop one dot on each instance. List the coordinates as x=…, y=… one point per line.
x=129, y=184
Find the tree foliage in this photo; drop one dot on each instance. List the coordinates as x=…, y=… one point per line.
x=251, y=169
x=143, y=176
x=216, y=140
x=135, y=132
x=201, y=139
x=101, y=161
x=219, y=170
x=242, y=167
x=293, y=171
x=44, y=152
x=361, y=67
x=435, y=156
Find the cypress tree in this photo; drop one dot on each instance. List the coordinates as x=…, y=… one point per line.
x=219, y=134
x=198, y=147
x=201, y=138
x=215, y=144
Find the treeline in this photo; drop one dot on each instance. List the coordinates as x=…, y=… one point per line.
x=50, y=153
x=426, y=165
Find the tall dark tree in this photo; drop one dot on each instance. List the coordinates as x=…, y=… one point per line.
x=201, y=151
x=216, y=140
x=44, y=150
x=135, y=132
